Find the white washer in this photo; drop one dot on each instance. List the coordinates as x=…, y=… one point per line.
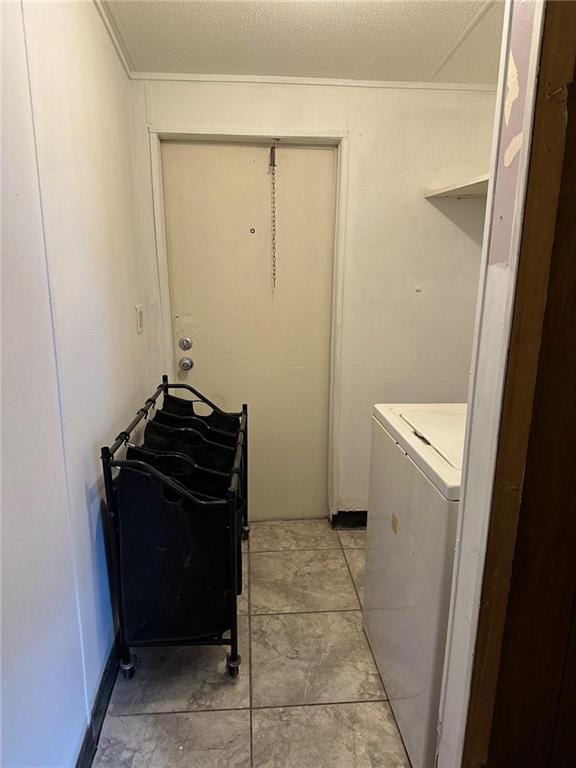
x=416, y=466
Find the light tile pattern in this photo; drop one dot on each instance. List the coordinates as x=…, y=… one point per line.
x=308, y=694
x=353, y=539
x=201, y=740
x=329, y=736
x=295, y=534
x=304, y=580
x=183, y=679
x=309, y=658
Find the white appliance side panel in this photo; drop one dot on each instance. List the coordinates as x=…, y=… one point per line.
x=410, y=546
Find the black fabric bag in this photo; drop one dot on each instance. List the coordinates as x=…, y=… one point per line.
x=198, y=480
x=203, y=452
x=193, y=422
x=174, y=562
x=218, y=419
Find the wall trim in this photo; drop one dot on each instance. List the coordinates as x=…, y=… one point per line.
x=349, y=518
x=309, y=81
x=161, y=249
x=99, y=709
x=123, y=55
x=324, y=138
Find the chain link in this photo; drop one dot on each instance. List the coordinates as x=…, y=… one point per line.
x=274, y=268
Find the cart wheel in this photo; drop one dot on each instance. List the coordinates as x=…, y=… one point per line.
x=233, y=665
x=128, y=668
x=232, y=671
x=246, y=532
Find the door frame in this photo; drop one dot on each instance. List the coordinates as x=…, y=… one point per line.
x=523, y=654
x=508, y=352
x=337, y=140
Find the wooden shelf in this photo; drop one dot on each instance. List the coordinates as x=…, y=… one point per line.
x=477, y=187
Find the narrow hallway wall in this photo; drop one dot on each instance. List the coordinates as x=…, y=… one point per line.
x=81, y=105
x=42, y=667
x=72, y=361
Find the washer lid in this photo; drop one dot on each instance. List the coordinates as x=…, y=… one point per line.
x=432, y=435
x=442, y=428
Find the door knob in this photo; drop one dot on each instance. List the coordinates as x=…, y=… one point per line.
x=186, y=363
x=185, y=343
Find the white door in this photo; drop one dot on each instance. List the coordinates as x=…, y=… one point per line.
x=269, y=348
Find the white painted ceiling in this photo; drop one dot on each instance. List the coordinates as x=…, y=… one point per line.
x=402, y=40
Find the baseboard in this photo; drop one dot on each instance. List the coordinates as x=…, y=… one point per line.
x=90, y=741
x=350, y=518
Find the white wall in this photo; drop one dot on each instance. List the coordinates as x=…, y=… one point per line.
x=81, y=98
x=42, y=679
x=73, y=364
x=411, y=266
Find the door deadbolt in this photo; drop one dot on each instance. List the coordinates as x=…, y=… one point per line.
x=186, y=363
x=185, y=343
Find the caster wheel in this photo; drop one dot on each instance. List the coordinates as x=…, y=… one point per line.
x=233, y=671
x=246, y=532
x=233, y=665
x=128, y=668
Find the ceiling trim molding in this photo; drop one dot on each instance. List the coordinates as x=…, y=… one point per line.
x=117, y=40
x=310, y=81
x=475, y=21
x=327, y=138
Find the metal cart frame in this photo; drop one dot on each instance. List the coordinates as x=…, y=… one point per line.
x=239, y=475
x=166, y=386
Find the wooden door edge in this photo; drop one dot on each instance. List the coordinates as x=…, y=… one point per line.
x=557, y=60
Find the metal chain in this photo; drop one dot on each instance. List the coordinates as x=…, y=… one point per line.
x=274, y=269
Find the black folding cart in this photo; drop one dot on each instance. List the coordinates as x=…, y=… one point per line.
x=173, y=531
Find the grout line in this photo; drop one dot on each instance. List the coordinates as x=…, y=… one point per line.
x=247, y=709
x=293, y=520
x=306, y=549
x=357, y=593
x=342, y=548
x=322, y=704
x=250, y=677
x=244, y=709
x=399, y=732
x=306, y=613
x=177, y=712
x=387, y=698
x=290, y=551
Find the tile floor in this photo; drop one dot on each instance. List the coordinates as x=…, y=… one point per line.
x=308, y=694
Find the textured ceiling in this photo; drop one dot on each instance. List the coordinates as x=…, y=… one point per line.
x=413, y=40
x=476, y=58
